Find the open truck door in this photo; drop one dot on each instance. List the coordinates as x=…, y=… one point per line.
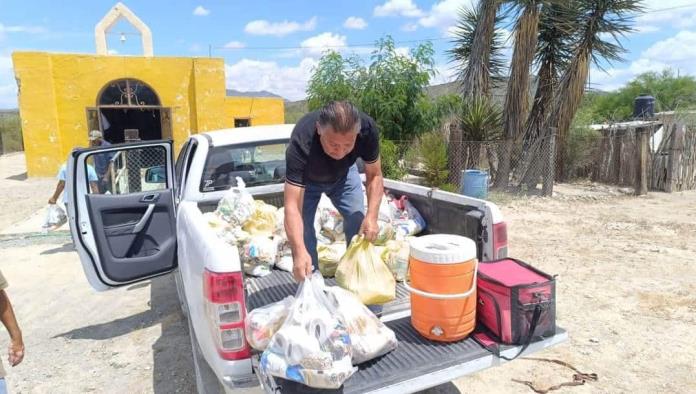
x=122, y=212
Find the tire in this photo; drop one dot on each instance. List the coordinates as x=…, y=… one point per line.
x=206, y=380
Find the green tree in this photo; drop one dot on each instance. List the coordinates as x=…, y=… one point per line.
x=671, y=93
x=330, y=81
x=517, y=96
x=597, y=19
x=391, y=89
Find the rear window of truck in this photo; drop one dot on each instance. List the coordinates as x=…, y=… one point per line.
x=256, y=164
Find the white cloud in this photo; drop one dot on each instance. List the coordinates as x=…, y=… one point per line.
x=22, y=29
x=677, y=48
x=263, y=27
x=410, y=27
x=287, y=81
x=444, y=14
x=444, y=74
x=680, y=14
x=354, y=22
x=317, y=45
x=235, y=45
x=674, y=52
x=8, y=86
x=403, y=51
x=201, y=11
x=112, y=52
x=8, y=96
x=398, y=8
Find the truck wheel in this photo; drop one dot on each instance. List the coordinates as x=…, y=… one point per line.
x=180, y=293
x=206, y=380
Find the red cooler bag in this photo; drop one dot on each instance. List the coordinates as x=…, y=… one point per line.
x=516, y=302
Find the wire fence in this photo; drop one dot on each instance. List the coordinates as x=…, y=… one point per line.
x=522, y=167
x=10, y=132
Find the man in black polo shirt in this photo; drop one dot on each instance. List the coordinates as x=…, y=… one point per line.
x=321, y=159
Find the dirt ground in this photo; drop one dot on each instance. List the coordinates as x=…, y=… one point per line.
x=626, y=294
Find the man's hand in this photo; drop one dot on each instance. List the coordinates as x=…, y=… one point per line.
x=301, y=265
x=52, y=201
x=15, y=352
x=369, y=228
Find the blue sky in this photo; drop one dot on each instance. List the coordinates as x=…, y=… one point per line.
x=273, y=45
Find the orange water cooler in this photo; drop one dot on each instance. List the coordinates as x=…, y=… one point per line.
x=443, y=286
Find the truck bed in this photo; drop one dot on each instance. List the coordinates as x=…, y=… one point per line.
x=417, y=363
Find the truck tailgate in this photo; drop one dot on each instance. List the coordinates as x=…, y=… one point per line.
x=416, y=364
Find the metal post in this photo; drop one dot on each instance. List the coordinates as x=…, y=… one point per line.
x=550, y=170
x=641, y=182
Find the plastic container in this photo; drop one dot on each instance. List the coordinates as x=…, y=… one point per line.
x=475, y=183
x=443, y=286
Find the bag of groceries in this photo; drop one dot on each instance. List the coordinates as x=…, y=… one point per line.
x=395, y=255
x=55, y=217
x=259, y=255
x=312, y=347
x=262, y=323
x=329, y=256
x=262, y=221
x=237, y=205
x=363, y=272
x=369, y=337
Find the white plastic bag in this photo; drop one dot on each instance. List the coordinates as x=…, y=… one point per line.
x=55, y=217
x=407, y=220
x=328, y=222
x=262, y=323
x=312, y=347
x=237, y=205
x=258, y=255
x=369, y=337
x=395, y=255
x=284, y=254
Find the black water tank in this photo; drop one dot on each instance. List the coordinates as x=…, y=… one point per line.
x=644, y=107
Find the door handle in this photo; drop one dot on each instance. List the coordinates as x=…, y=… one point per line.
x=143, y=221
x=150, y=198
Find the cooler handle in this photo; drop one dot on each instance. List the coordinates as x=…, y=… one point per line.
x=445, y=296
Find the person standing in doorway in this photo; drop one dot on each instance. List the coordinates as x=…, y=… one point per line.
x=16, y=348
x=101, y=160
x=320, y=159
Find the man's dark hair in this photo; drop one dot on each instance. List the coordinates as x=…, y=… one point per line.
x=342, y=116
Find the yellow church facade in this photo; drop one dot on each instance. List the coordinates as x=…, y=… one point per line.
x=64, y=96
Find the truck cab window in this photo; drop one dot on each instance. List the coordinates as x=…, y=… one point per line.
x=255, y=164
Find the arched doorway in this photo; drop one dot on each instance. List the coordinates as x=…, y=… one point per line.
x=130, y=110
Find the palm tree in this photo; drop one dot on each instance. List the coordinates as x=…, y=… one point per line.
x=477, y=51
x=477, y=48
x=516, y=98
x=557, y=28
x=599, y=18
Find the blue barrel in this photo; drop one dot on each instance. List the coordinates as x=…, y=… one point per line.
x=475, y=183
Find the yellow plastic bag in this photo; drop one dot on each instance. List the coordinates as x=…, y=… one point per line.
x=329, y=257
x=363, y=272
x=262, y=221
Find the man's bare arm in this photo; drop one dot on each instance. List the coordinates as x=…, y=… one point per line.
x=7, y=316
x=294, y=227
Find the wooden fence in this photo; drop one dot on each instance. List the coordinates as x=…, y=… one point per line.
x=674, y=162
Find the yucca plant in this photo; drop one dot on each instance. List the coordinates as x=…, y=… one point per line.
x=477, y=48
x=558, y=26
x=516, y=99
x=597, y=19
x=480, y=121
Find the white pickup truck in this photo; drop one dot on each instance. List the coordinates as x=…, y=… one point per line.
x=151, y=223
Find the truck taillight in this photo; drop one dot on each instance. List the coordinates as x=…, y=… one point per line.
x=500, y=242
x=226, y=309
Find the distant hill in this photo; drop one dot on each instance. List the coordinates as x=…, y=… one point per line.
x=262, y=93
